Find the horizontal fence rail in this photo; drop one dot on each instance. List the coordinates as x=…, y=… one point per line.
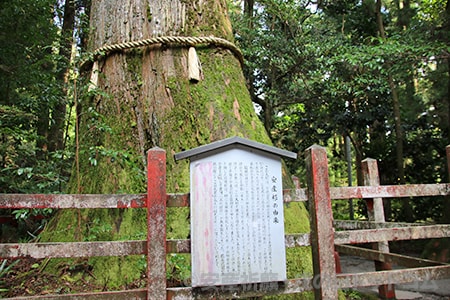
x=124, y=248
x=108, y=248
x=401, y=260
x=390, y=191
x=391, y=234
x=355, y=224
x=80, y=201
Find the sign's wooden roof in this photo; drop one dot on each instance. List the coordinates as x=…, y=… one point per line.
x=230, y=143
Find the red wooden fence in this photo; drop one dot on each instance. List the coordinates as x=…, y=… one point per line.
x=323, y=238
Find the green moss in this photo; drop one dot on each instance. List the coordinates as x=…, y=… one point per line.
x=117, y=272
x=206, y=111
x=203, y=20
x=60, y=226
x=296, y=218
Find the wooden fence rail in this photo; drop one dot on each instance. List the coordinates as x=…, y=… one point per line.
x=323, y=238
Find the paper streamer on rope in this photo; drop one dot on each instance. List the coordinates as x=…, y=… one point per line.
x=194, y=66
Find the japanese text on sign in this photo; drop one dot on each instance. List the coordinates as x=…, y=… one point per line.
x=241, y=236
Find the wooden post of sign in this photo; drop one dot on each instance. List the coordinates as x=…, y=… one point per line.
x=375, y=213
x=156, y=224
x=322, y=232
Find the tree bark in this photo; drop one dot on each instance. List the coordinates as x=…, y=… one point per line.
x=149, y=87
x=144, y=98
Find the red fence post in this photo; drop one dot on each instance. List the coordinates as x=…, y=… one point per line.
x=156, y=224
x=375, y=213
x=322, y=232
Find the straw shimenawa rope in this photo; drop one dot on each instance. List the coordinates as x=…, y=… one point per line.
x=172, y=40
x=163, y=40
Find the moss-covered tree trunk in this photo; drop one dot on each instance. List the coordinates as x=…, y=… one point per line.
x=144, y=98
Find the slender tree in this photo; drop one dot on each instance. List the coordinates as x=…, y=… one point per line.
x=399, y=134
x=57, y=126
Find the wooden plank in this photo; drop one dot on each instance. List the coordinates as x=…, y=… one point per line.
x=110, y=248
x=297, y=240
x=180, y=293
x=73, y=249
x=354, y=224
x=390, y=191
x=393, y=276
x=295, y=195
x=401, y=260
x=321, y=216
x=62, y=201
x=156, y=224
x=381, y=191
x=137, y=294
x=391, y=234
x=178, y=246
x=300, y=285
x=289, y=195
x=16, y=201
x=178, y=200
x=245, y=291
x=291, y=241
x=134, y=247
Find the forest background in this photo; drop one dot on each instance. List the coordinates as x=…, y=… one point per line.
x=364, y=78
x=375, y=73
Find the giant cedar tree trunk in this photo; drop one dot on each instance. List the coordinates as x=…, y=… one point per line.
x=145, y=99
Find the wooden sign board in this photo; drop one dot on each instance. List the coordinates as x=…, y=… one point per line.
x=237, y=224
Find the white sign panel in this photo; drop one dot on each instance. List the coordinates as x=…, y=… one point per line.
x=237, y=224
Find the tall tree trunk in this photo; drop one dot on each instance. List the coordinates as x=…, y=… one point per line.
x=248, y=7
x=147, y=100
x=399, y=136
x=404, y=19
x=56, y=132
x=43, y=120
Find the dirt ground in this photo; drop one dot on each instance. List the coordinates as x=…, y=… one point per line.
x=27, y=278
